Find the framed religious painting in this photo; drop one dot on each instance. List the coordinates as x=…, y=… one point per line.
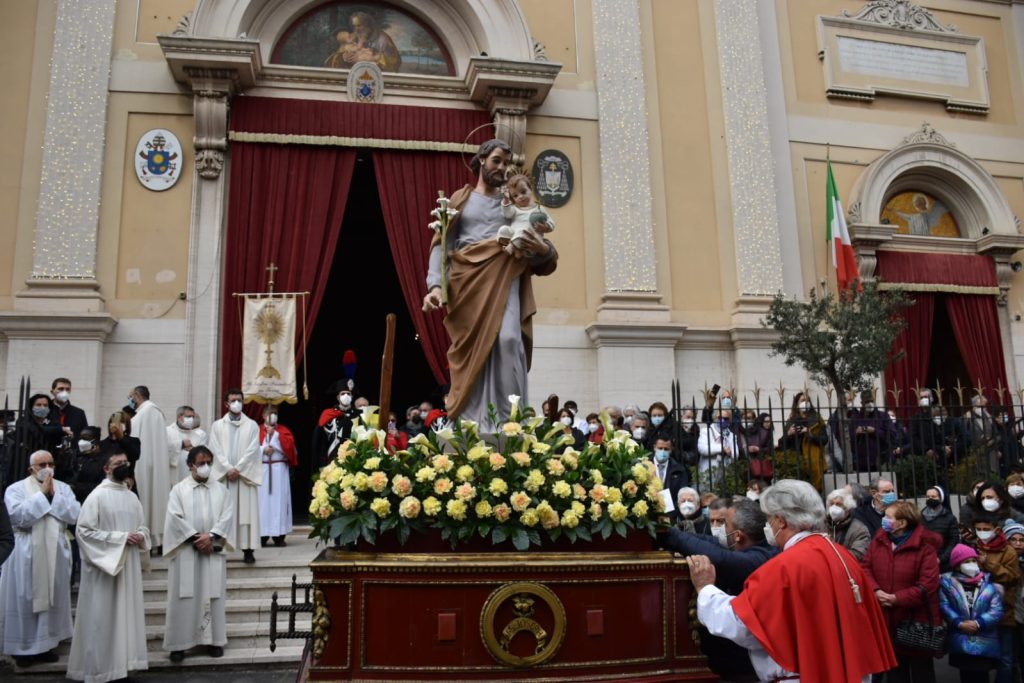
x=339, y=35
x=919, y=213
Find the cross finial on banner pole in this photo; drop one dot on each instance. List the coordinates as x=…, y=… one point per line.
x=270, y=280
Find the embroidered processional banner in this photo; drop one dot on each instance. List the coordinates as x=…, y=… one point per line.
x=268, y=349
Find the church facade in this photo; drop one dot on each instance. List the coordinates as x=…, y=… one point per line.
x=684, y=149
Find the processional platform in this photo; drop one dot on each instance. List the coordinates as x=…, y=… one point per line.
x=589, y=614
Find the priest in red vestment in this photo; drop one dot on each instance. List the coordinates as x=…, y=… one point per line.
x=277, y=445
x=806, y=614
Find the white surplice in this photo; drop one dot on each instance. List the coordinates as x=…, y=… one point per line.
x=110, y=622
x=236, y=445
x=176, y=454
x=154, y=474
x=276, y=490
x=35, y=586
x=196, y=581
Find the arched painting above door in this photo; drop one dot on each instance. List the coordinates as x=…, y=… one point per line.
x=340, y=34
x=919, y=213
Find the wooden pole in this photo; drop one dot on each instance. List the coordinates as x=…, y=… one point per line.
x=386, y=371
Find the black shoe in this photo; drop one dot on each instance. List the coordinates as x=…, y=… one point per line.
x=24, y=661
x=264, y=540
x=279, y=541
x=50, y=657
x=177, y=656
x=215, y=650
x=248, y=557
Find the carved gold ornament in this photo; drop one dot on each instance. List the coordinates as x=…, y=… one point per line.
x=524, y=598
x=321, y=623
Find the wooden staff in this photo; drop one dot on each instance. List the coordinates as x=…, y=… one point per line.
x=386, y=371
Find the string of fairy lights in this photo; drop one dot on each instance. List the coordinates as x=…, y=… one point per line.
x=629, y=256
x=751, y=166
x=67, y=218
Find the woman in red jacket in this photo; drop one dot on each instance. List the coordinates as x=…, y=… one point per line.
x=902, y=568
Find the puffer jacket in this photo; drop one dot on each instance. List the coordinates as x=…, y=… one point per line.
x=987, y=611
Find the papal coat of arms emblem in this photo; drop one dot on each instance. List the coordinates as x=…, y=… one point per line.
x=553, y=178
x=158, y=159
x=365, y=82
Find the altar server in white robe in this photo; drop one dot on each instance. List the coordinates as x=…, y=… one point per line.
x=277, y=445
x=154, y=474
x=110, y=622
x=35, y=586
x=199, y=529
x=183, y=436
x=235, y=442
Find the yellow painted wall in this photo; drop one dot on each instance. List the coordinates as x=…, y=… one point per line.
x=17, y=44
x=566, y=30
x=138, y=23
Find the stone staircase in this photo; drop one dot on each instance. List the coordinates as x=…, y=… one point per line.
x=249, y=591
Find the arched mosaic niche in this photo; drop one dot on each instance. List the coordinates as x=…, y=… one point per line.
x=337, y=35
x=916, y=212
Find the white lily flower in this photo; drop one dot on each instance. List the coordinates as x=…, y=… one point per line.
x=435, y=226
x=446, y=433
x=419, y=440
x=436, y=213
x=361, y=433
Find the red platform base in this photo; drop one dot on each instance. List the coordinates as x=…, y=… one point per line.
x=582, y=616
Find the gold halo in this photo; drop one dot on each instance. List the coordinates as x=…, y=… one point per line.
x=495, y=126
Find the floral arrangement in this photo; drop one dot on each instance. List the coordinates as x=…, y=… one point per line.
x=512, y=486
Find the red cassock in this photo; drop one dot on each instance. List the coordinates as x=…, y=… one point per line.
x=802, y=610
x=287, y=442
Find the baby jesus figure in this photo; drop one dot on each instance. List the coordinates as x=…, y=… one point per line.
x=522, y=213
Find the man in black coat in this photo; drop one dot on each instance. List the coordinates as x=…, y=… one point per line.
x=871, y=511
x=673, y=476
x=62, y=412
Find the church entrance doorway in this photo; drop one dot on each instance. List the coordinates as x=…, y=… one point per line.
x=362, y=288
x=947, y=366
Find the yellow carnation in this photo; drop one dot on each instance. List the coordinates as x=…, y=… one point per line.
x=348, y=481
x=534, y=480
x=481, y=450
x=578, y=508
x=497, y=461
x=555, y=467
x=498, y=487
x=640, y=473
x=570, y=520
x=401, y=486
x=346, y=450
x=561, y=489
x=361, y=482
x=465, y=491
x=595, y=511
x=425, y=474
x=323, y=513
x=529, y=517
x=630, y=488
x=570, y=460
x=442, y=486
x=334, y=476
x=381, y=507
x=464, y=473
x=511, y=429
x=348, y=500
x=599, y=493
x=540, y=448
x=371, y=463
x=456, y=509
x=502, y=512
x=520, y=501
x=640, y=509
x=441, y=462
x=313, y=506
x=410, y=507
x=614, y=495
x=431, y=506
x=378, y=481
x=522, y=459
x=579, y=492
x=597, y=476
x=483, y=509
x=617, y=511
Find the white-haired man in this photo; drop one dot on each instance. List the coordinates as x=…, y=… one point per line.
x=807, y=613
x=35, y=587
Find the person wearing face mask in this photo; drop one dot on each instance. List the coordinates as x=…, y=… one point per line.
x=736, y=552
x=35, y=585
x=663, y=425
x=718, y=446
x=335, y=426
x=638, y=427
x=902, y=570
x=993, y=498
x=997, y=557
x=88, y=464
x=567, y=420
x=154, y=474
x=940, y=521
x=689, y=517
x=972, y=607
x=970, y=506
x=1007, y=441
x=871, y=435
x=1015, y=489
x=805, y=434
x=110, y=620
x=671, y=474
x=68, y=416
x=235, y=444
x=871, y=511
x=806, y=613
x=183, y=436
x=33, y=431
x=984, y=434
x=198, y=530
x=595, y=430
x=279, y=454
x=761, y=448
x=843, y=527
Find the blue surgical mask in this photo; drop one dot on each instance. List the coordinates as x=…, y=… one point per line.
x=661, y=455
x=887, y=525
x=706, y=512
x=656, y=420
x=727, y=403
x=131, y=403
x=889, y=498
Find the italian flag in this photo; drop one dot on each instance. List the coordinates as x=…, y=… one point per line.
x=838, y=236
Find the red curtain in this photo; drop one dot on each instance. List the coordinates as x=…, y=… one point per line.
x=975, y=322
x=936, y=269
x=408, y=183
x=915, y=341
x=285, y=205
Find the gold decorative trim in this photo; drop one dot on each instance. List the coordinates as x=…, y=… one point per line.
x=949, y=289
x=349, y=635
x=423, y=563
x=520, y=592
x=484, y=669
x=321, y=623
x=345, y=141
x=560, y=679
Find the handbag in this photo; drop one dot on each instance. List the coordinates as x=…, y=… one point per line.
x=928, y=637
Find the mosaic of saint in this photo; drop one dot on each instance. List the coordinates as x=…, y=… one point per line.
x=339, y=35
x=918, y=213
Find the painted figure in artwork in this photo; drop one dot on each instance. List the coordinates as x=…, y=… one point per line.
x=365, y=42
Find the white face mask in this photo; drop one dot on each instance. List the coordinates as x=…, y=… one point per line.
x=937, y=419
x=687, y=508
x=753, y=495
x=969, y=569
x=639, y=433
x=979, y=411
x=43, y=473
x=836, y=512
x=235, y=407
x=592, y=427
x=985, y=536
x=990, y=504
x=272, y=419
x=63, y=396
x=869, y=407
x=719, y=533
x=924, y=402
x=769, y=535
x=203, y=471
x=84, y=445
x=344, y=400
x=804, y=406
x=567, y=421
x=1016, y=490
x=188, y=422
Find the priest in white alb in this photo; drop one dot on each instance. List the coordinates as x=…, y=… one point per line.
x=277, y=445
x=154, y=474
x=199, y=529
x=110, y=621
x=183, y=436
x=235, y=443
x=35, y=586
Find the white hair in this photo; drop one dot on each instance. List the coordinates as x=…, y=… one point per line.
x=844, y=496
x=32, y=458
x=687, y=489
x=795, y=501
